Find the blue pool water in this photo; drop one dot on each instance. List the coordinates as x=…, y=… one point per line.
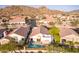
x=34, y=46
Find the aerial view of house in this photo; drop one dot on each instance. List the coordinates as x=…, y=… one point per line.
x=20, y=33
x=41, y=34
x=27, y=29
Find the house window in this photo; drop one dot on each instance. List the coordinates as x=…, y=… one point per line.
x=38, y=40
x=15, y=38
x=46, y=36
x=23, y=38
x=31, y=40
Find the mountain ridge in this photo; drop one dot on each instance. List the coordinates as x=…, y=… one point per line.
x=27, y=10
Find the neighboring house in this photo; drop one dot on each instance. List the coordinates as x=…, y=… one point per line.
x=20, y=33
x=46, y=20
x=68, y=34
x=2, y=33
x=64, y=26
x=41, y=35
x=17, y=21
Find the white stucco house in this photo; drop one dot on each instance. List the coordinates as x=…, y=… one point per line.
x=19, y=34
x=40, y=35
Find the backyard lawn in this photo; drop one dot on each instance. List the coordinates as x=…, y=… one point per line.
x=8, y=47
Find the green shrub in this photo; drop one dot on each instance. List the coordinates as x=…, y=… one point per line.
x=55, y=32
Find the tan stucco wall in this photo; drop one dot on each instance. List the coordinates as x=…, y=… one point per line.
x=15, y=35
x=72, y=37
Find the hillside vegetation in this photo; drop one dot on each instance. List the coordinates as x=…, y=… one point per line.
x=26, y=10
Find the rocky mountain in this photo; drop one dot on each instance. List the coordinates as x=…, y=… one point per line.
x=74, y=12
x=45, y=10
x=26, y=10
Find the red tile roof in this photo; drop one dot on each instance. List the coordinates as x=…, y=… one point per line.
x=37, y=30
x=67, y=31
x=23, y=31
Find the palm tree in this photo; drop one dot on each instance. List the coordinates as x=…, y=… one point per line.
x=31, y=23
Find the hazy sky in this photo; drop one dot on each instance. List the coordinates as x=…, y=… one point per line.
x=56, y=7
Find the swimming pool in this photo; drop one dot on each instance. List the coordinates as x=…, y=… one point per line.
x=35, y=46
